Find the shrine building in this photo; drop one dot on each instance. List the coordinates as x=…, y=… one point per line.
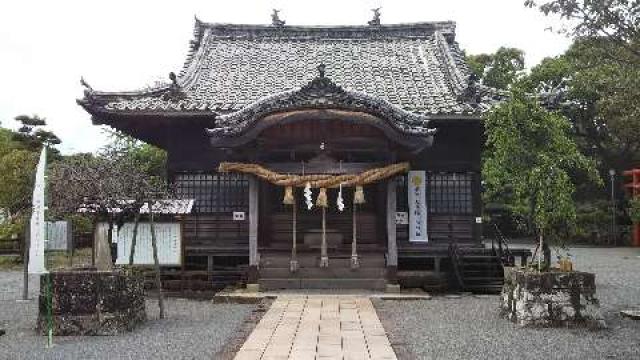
x=320, y=156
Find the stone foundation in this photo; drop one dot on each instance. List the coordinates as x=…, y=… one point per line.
x=90, y=302
x=551, y=299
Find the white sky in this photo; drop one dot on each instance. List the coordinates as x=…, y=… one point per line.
x=45, y=46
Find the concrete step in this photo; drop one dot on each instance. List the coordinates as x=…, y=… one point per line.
x=324, y=273
x=309, y=260
x=288, y=283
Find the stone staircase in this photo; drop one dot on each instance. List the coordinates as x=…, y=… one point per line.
x=275, y=273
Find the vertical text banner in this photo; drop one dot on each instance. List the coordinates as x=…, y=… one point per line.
x=37, y=227
x=417, y=206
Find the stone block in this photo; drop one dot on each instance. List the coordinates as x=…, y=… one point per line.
x=90, y=302
x=551, y=298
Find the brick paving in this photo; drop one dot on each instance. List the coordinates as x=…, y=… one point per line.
x=318, y=327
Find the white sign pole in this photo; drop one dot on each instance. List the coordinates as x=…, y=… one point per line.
x=417, y=206
x=37, y=226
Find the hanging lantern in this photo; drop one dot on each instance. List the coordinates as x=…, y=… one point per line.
x=358, y=196
x=307, y=196
x=288, y=196
x=322, y=198
x=340, y=200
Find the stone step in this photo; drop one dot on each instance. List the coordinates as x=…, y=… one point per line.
x=288, y=283
x=324, y=273
x=308, y=261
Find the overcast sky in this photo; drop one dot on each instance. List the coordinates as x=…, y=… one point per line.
x=45, y=46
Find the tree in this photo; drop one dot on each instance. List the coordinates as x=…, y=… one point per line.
x=19, y=152
x=614, y=20
x=108, y=187
x=605, y=83
x=606, y=94
x=533, y=157
x=17, y=171
x=550, y=73
x=498, y=70
x=147, y=158
x=32, y=136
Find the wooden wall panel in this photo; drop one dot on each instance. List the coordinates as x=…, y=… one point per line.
x=439, y=230
x=282, y=227
x=210, y=232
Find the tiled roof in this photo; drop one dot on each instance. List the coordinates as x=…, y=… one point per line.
x=163, y=207
x=170, y=207
x=416, y=67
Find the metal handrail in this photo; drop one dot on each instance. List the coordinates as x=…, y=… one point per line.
x=503, y=251
x=455, y=263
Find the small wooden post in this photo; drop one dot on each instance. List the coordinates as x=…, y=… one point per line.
x=156, y=262
x=540, y=245
x=70, y=243
x=134, y=237
x=93, y=242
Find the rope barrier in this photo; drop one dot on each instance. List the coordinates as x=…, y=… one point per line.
x=316, y=180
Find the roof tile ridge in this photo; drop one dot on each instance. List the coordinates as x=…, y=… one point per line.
x=189, y=73
x=93, y=98
x=417, y=29
x=438, y=25
x=194, y=45
x=457, y=80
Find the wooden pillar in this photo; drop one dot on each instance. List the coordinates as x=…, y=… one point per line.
x=392, y=248
x=253, y=230
x=355, y=263
x=324, y=257
x=293, y=265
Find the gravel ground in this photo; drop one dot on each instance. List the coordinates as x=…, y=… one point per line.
x=191, y=330
x=469, y=327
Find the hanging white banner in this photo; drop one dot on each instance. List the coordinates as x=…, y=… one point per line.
x=417, y=206
x=37, y=231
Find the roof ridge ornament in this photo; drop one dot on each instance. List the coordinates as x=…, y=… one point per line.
x=472, y=91
x=175, y=90
x=275, y=19
x=321, y=69
x=88, y=90
x=376, y=17
x=84, y=83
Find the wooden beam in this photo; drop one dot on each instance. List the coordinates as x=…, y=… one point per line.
x=253, y=229
x=392, y=247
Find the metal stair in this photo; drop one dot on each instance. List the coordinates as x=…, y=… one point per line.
x=477, y=270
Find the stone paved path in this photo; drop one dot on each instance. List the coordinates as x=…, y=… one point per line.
x=318, y=327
